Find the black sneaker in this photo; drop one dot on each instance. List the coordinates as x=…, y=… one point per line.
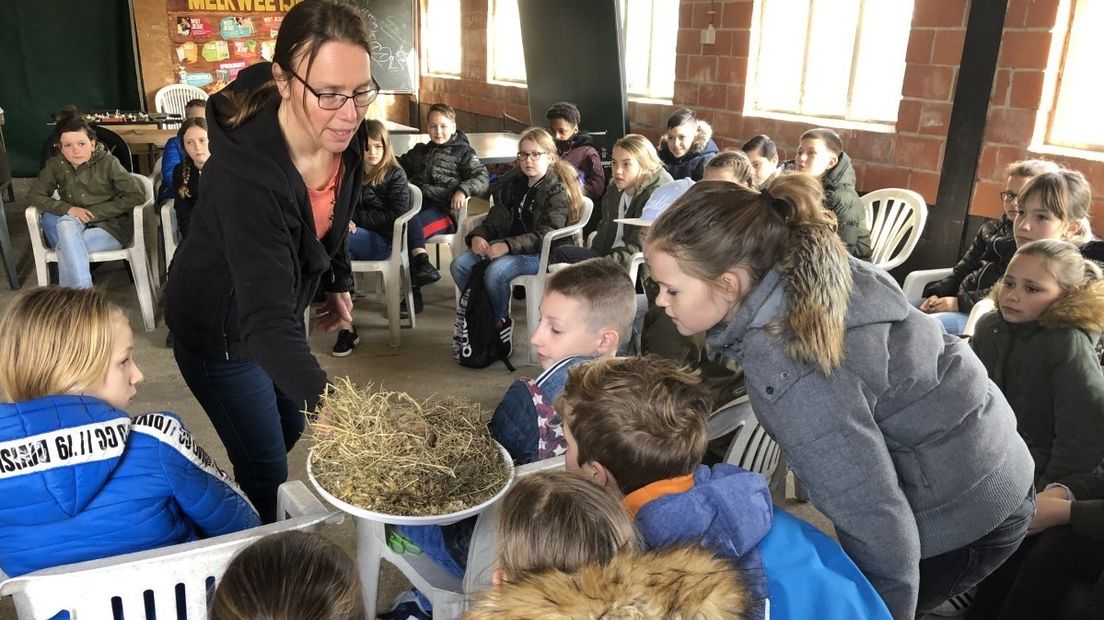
x=422, y=272
x=418, y=305
x=346, y=340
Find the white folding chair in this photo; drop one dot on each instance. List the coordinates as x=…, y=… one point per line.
x=534, y=284
x=895, y=217
x=395, y=270
x=445, y=591
x=187, y=571
x=751, y=447
x=913, y=288
x=141, y=255
x=451, y=239
x=171, y=99
x=168, y=231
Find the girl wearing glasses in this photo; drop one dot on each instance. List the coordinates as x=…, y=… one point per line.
x=270, y=228
x=951, y=299
x=538, y=196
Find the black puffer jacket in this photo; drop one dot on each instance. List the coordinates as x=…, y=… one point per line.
x=522, y=215
x=441, y=169
x=380, y=205
x=841, y=198
x=981, y=266
x=241, y=280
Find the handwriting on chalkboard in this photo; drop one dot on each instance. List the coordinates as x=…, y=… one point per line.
x=390, y=46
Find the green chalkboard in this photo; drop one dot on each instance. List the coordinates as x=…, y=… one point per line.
x=394, y=57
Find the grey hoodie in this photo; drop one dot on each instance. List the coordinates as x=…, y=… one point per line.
x=903, y=443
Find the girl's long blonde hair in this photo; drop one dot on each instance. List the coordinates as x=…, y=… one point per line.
x=560, y=520
x=376, y=175
x=644, y=152
x=569, y=176
x=1063, y=261
x=32, y=364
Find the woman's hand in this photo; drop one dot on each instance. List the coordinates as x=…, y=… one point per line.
x=480, y=247
x=82, y=214
x=458, y=198
x=939, y=304
x=1049, y=512
x=336, y=313
x=498, y=249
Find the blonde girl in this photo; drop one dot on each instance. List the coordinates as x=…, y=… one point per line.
x=80, y=479
x=900, y=438
x=541, y=194
x=1040, y=350
x=566, y=548
x=637, y=173
x=1055, y=205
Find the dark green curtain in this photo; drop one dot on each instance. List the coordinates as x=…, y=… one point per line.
x=55, y=53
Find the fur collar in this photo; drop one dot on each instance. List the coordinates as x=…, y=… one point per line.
x=683, y=582
x=701, y=137
x=1082, y=309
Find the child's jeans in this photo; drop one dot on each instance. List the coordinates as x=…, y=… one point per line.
x=497, y=277
x=74, y=242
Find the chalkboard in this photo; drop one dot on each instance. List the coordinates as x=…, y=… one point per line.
x=394, y=57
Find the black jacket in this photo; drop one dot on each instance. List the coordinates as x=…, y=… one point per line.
x=243, y=277
x=981, y=266
x=521, y=215
x=181, y=203
x=692, y=164
x=441, y=169
x=380, y=205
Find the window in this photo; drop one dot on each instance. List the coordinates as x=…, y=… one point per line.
x=1075, y=121
x=842, y=59
x=651, y=31
x=507, y=58
x=441, y=37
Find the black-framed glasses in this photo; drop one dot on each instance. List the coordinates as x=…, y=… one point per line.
x=1008, y=196
x=532, y=156
x=335, y=101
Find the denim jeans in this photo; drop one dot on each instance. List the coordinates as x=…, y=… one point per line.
x=955, y=572
x=953, y=322
x=496, y=279
x=255, y=421
x=367, y=244
x=74, y=242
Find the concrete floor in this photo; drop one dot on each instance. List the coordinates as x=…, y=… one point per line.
x=422, y=366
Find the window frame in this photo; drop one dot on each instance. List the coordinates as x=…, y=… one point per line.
x=428, y=69
x=651, y=95
x=1054, y=79
x=492, y=66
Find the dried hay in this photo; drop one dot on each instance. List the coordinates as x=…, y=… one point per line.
x=386, y=452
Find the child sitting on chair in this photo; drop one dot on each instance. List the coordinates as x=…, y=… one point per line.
x=567, y=549
x=637, y=427
x=820, y=154
x=96, y=195
x=185, y=177
x=586, y=312
x=175, y=151
x=80, y=479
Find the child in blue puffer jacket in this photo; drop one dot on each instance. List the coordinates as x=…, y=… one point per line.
x=79, y=478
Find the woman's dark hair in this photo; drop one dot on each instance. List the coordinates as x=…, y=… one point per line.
x=680, y=118
x=305, y=29
x=565, y=110
x=70, y=119
x=761, y=144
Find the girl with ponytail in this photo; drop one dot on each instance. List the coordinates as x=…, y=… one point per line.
x=893, y=427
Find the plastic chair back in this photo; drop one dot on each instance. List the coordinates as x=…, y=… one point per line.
x=171, y=99
x=751, y=448
x=896, y=218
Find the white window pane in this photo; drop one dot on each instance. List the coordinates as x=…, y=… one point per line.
x=781, y=54
x=828, y=66
x=880, y=72
x=638, y=42
x=1077, y=120
x=661, y=79
x=508, y=62
x=441, y=36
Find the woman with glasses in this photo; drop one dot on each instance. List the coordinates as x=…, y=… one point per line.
x=538, y=196
x=269, y=229
x=951, y=299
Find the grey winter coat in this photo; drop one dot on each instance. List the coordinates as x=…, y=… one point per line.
x=892, y=425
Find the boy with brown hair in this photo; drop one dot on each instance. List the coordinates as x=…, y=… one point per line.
x=820, y=153
x=586, y=312
x=637, y=427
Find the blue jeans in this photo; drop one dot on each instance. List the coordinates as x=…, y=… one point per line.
x=953, y=322
x=496, y=279
x=255, y=421
x=367, y=244
x=74, y=242
x=956, y=571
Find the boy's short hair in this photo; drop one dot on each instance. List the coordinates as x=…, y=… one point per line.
x=603, y=290
x=566, y=110
x=831, y=139
x=737, y=162
x=196, y=103
x=442, y=108
x=642, y=418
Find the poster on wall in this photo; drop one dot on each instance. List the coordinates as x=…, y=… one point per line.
x=214, y=39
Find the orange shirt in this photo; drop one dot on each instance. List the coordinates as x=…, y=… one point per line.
x=635, y=501
x=322, y=203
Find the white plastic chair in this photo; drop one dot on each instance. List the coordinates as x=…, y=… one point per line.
x=86, y=589
x=171, y=99
x=980, y=309
x=444, y=591
x=534, y=284
x=451, y=239
x=895, y=224
x=395, y=270
x=168, y=231
x=751, y=448
x=914, y=284
x=141, y=255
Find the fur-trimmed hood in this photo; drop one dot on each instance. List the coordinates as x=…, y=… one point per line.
x=702, y=138
x=1081, y=309
x=684, y=582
